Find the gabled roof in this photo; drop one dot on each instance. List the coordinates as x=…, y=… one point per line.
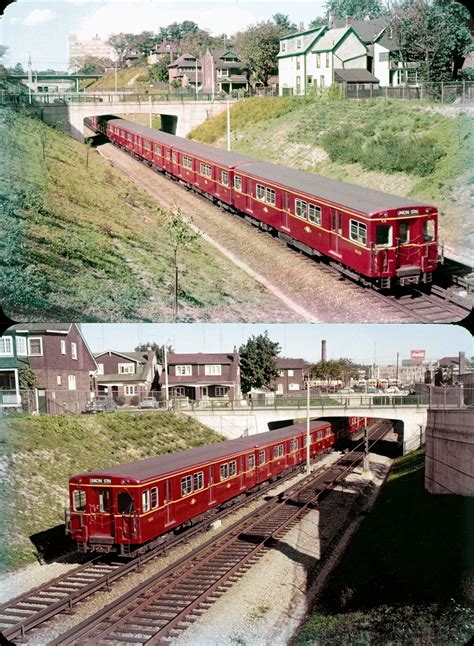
x=355, y=75
x=185, y=59
x=202, y=358
x=331, y=39
x=367, y=30
x=138, y=357
x=302, y=33
x=42, y=328
x=317, y=33
x=285, y=362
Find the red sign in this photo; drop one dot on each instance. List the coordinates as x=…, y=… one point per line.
x=417, y=355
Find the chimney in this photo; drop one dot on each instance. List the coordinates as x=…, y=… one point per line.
x=462, y=363
x=348, y=20
x=323, y=350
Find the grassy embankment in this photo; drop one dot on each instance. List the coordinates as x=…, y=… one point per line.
x=80, y=242
x=401, y=147
x=39, y=454
x=408, y=576
x=130, y=78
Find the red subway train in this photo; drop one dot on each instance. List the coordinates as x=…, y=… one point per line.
x=130, y=507
x=374, y=237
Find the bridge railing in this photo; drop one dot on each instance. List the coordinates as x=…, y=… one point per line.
x=300, y=403
x=72, y=98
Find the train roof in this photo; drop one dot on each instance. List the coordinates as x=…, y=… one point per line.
x=160, y=465
x=355, y=197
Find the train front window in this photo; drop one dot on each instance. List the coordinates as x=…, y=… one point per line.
x=79, y=500
x=104, y=500
x=404, y=232
x=428, y=231
x=383, y=235
x=125, y=504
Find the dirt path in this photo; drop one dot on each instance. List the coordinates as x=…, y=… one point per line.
x=303, y=287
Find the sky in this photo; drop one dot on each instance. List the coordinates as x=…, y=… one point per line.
x=362, y=343
x=41, y=28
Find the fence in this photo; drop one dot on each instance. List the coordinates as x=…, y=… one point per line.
x=442, y=92
x=454, y=397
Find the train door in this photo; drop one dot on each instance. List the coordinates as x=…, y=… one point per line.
x=242, y=470
x=126, y=508
x=248, y=192
x=102, y=517
x=336, y=231
x=406, y=253
x=212, y=493
x=285, y=211
x=168, y=500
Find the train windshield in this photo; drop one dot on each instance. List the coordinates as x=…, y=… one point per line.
x=428, y=231
x=79, y=500
x=104, y=500
x=125, y=503
x=404, y=232
x=383, y=235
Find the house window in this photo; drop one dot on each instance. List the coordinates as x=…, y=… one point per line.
x=299, y=43
x=21, y=349
x=328, y=58
x=100, y=368
x=290, y=372
x=213, y=370
x=251, y=461
x=383, y=57
x=126, y=368
x=309, y=80
x=270, y=196
x=261, y=458
x=131, y=390
x=79, y=500
x=383, y=235
x=74, y=350
x=187, y=162
x=154, y=497
x=63, y=346
x=35, y=347
x=318, y=60
x=314, y=213
x=293, y=386
x=186, y=485
x=298, y=64
x=283, y=45
x=58, y=380
x=71, y=382
x=225, y=178
x=301, y=208
x=205, y=169
x=238, y=183
x=198, y=481
x=145, y=501
x=184, y=371
x=224, y=471
x=221, y=391
x=179, y=391
x=278, y=451
x=358, y=232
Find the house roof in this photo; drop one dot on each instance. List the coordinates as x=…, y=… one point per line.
x=140, y=357
x=367, y=30
x=302, y=33
x=316, y=34
x=330, y=39
x=355, y=76
x=166, y=47
x=234, y=78
x=185, y=59
x=42, y=328
x=285, y=362
x=202, y=358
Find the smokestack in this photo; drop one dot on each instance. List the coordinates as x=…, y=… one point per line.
x=462, y=363
x=323, y=350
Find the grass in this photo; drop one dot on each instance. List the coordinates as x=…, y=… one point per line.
x=400, y=147
x=81, y=242
x=39, y=454
x=407, y=576
x=124, y=77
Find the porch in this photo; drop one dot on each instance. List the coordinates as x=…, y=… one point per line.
x=9, y=388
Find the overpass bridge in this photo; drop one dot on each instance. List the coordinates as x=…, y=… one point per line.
x=179, y=114
x=243, y=417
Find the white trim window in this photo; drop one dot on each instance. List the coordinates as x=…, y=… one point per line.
x=358, y=232
x=198, y=481
x=260, y=192
x=184, y=371
x=251, y=462
x=74, y=350
x=299, y=43
x=35, y=346
x=188, y=162
x=224, y=471
x=100, y=368
x=157, y=150
x=147, y=145
x=301, y=209
x=126, y=368
x=221, y=391
x=205, y=169
x=261, y=457
x=232, y=468
x=71, y=382
x=290, y=372
x=131, y=390
x=214, y=369
x=225, y=178
x=145, y=501
x=78, y=500
x=238, y=183
x=63, y=346
x=278, y=451
x=178, y=391
x=58, y=380
x=283, y=46
x=270, y=196
x=154, y=497
x=175, y=158
x=21, y=346
x=314, y=213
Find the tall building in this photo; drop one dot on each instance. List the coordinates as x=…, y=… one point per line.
x=81, y=49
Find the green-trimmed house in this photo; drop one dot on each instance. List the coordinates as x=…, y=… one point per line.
x=13, y=355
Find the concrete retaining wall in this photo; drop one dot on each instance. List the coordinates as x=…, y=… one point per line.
x=449, y=466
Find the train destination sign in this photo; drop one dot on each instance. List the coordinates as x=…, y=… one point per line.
x=100, y=481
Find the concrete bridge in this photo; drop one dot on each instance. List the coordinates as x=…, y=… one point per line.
x=237, y=418
x=178, y=115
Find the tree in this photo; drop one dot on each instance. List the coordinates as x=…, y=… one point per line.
x=18, y=69
x=157, y=349
x=317, y=22
x=159, y=72
x=120, y=42
x=3, y=51
x=258, y=366
x=93, y=65
x=258, y=47
x=283, y=23
x=356, y=9
x=333, y=369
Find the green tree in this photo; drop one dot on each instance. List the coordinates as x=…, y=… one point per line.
x=283, y=23
x=94, y=65
x=157, y=349
x=120, y=42
x=356, y=9
x=18, y=69
x=3, y=51
x=258, y=366
x=317, y=22
x=258, y=47
x=159, y=71
x=342, y=369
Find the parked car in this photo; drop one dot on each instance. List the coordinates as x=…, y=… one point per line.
x=371, y=390
x=101, y=405
x=148, y=402
x=392, y=389
x=345, y=391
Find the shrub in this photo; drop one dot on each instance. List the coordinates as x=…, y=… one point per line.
x=120, y=400
x=134, y=401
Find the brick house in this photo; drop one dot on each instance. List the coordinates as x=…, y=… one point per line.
x=187, y=70
x=60, y=359
x=203, y=377
x=161, y=51
x=223, y=71
x=291, y=379
x=130, y=375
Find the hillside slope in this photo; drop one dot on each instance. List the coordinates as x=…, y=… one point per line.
x=39, y=454
x=405, y=148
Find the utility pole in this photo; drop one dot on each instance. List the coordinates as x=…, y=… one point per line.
x=30, y=78
x=228, y=125
x=115, y=75
x=196, y=79
x=396, y=372
x=309, y=383
x=165, y=357
x=366, y=449
x=149, y=112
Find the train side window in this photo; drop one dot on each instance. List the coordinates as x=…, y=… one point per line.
x=187, y=162
x=270, y=196
x=158, y=150
x=261, y=457
x=198, y=481
x=428, y=230
x=251, y=461
x=186, y=485
x=232, y=468
x=238, y=183
x=225, y=178
x=293, y=445
x=224, y=471
x=168, y=154
x=383, y=235
x=278, y=451
x=79, y=500
x=404, y=232
x=154, y=497
x=358, y=232
x=260, y=192
x=125, y=504
x=319, y=435
x=314, y=213
x=175, y=158
x=104, y=500
x=146, y=500
x=301, y=208
x=147, y=145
